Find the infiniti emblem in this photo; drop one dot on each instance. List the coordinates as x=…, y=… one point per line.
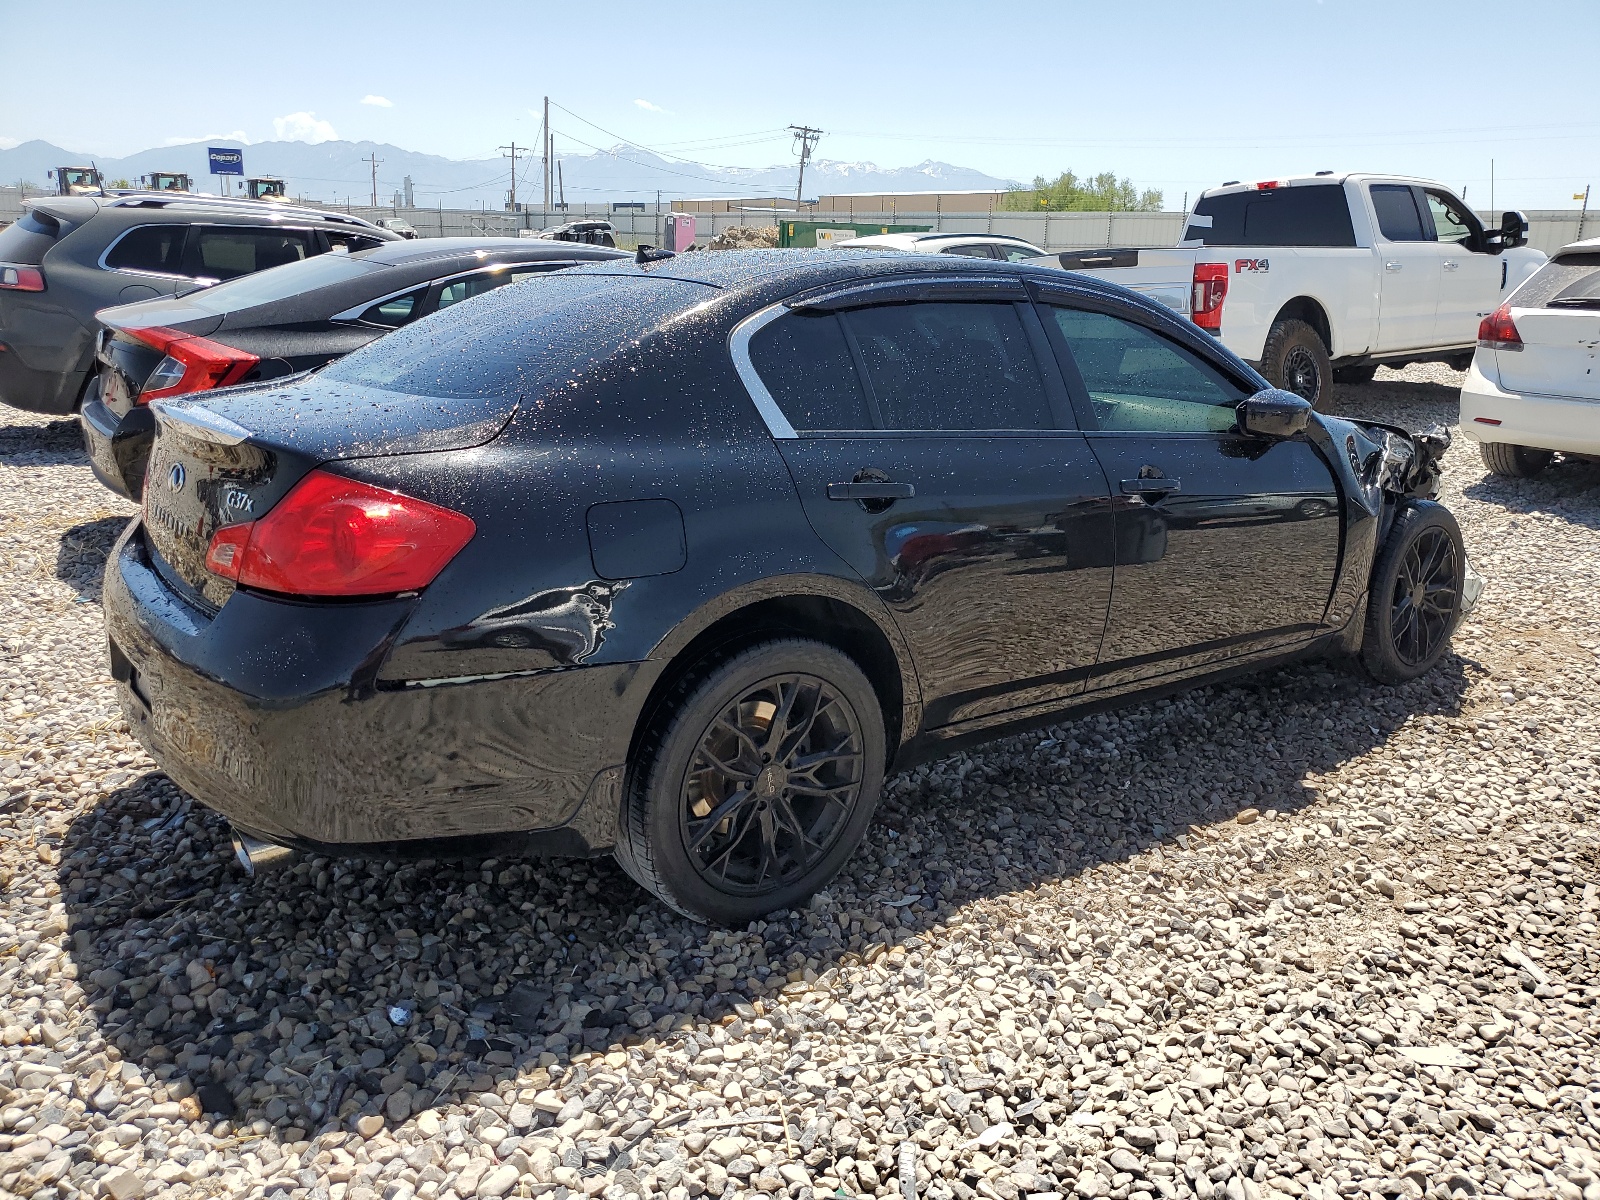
x=175, y=477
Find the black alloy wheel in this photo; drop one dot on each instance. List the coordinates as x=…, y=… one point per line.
x=1295, y=358
x=1415, y=601
x=771, y=785
x=1425, y=596
x=754, y=782
x=1301, y=374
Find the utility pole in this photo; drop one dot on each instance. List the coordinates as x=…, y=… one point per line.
x=1583, y=213
x=512, y=155
x=805, y=141
x=561, y=187
x=375, y=161
x=544, y=151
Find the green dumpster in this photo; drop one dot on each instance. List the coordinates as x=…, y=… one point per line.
x=804, y=233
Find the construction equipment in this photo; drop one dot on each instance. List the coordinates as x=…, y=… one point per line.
x=77, y=181
x=265, y=187
x=167, y=181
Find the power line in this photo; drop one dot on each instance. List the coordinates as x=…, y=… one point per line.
x=511, y=153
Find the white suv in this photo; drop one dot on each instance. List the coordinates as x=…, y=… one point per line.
x=1534, y=386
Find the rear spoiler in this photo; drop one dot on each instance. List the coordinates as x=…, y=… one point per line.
x=199, y=422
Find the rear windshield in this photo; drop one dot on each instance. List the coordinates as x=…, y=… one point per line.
x=1313, y=215
x=279, y=283
x=1567, y=281
x=517, y=340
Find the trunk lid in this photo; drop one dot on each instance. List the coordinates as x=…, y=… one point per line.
x=234, y=456
x=1557, y=315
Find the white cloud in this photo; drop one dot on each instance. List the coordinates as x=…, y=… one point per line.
x=303, y=127
x=237, y=135
x=648, y=107
x=378, y=101
x=9, y=143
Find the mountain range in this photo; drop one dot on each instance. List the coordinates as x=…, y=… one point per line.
x=335, y=170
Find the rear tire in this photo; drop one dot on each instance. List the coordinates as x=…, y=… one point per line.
x=1295, y=359
x=755, y=783
x=1415, y=600
x=1355, y=376
x=1519, y=462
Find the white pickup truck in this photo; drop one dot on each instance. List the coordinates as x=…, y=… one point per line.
x=1326, y=277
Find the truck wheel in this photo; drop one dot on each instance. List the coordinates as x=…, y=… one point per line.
x=755, y=784
x=1295, y=360
x=1415, y=599
x=1355, y=376
x=1519, y=462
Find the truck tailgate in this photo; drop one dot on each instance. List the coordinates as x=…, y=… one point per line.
x=1163, y=274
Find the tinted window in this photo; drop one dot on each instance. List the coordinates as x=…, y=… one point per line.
x=1567, y=281
x=1139, y=380
x=1312, y=215
x=473, y=285
x=1019, y=253
x=1450, y=220
x=949, y=366
x=523, y=341
x=267, y=287
x=224, y=253
x=394, y=312
x=981, y=251
x=150, y=248
x=805, y=363
x=1398, y=219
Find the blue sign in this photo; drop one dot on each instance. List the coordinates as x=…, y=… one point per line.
x=225, y=161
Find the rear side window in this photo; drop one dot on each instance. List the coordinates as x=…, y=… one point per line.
x=1313, y=215
x=945, y=366
x=1398, y=218
x=526, y=341
x=473, y=285
x=156, y=248
x=221, y=252
x=805, y=363
x=1567, y=281
x=978, y=251
x=394, y=312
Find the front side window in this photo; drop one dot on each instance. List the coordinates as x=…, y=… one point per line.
x=1450, y=220
x=1138, y=380
x=1398, y=218
x=804, y=361
x=949, y=366
x=226, y=253
x=154, y=248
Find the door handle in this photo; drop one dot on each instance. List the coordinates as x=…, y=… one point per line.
x=1450, y=264
x=1144, y=486
x=1392, y=266
x=871, y=490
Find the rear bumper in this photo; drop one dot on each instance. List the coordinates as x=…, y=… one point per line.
x=34, y=390
x=270, y=712
x=118, y=446
x=1542, y=422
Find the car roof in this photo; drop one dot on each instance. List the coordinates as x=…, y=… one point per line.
x=412, y=250
x=917, y=239
x=78, y=209
x=1588, y=244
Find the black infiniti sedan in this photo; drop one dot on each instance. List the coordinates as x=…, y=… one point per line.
x=675, y=558
x=279, y=322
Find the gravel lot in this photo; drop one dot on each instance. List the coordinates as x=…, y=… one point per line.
x=1298, y=936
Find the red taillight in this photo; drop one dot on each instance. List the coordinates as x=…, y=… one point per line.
x=14, y=277
x=1266, y=185
x=332, y=536
x=192, y=364
x=1210, y=290
x=1498, y=331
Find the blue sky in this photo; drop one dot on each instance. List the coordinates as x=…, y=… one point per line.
x=1178, y=96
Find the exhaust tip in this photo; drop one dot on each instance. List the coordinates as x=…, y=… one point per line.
x=257, y=856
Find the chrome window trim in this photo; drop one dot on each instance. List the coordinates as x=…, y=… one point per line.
x=739, y=347
x=867, y=288
x=117, y=241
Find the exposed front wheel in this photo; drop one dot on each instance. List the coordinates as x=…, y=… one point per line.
x=756, y=783
x=1415, y=599
x=1519, y=462
x=1296, y=360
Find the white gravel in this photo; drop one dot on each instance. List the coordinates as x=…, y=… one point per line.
x=1298, y=936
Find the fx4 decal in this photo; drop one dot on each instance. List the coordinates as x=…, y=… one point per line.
x=1241, y=265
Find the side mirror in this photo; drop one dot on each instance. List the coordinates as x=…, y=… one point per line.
x=1274, y=413
x=1513, y=230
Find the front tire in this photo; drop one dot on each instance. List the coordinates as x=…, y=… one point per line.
x=1295, y=359
x=1518, y=462
x=1415, y=601
x=755, y=783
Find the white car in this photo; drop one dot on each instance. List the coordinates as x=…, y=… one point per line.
x=1323, y=278
x=1534, y=385
x=973, y=245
